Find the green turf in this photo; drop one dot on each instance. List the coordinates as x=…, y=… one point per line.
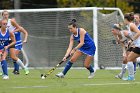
x=76, y=81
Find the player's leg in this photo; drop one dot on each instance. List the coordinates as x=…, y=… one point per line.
x=123, y=70
x=68, y=65
x=0, y=70
x=4, y=65
x=87, y=64
x=19, y=62
x=138, y=61
x=131, y=58
x=16, y=66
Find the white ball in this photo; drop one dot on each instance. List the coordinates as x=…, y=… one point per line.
x=42, y=77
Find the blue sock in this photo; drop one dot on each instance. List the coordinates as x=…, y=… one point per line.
x=67, y=67
x=16, y=66
x=91, y=70
x=134, y=63
x=4, y=67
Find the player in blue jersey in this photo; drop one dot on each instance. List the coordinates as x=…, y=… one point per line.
x=16, y=29
x=86, y=46
x=5, y=35
x=137, y=20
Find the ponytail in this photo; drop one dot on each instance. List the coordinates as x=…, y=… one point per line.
x=129, y=16
x=73, y=23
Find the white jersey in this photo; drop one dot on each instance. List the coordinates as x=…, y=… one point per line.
x=10, y=26
x=131, y=34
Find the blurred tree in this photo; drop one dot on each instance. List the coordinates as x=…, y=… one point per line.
x=122, y=4
x=6, y=4
x=27, y=4
x=135, y=4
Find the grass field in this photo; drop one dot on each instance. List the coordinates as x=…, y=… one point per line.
x=76, y=81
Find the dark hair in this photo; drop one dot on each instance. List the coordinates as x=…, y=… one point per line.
x=73, y=23
x=129, y=16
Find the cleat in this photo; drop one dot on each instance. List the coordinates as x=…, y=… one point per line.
x=60, y=75
x=119, y=76
x=5, y=77
x=134, y=72
x=91, y=75
x=26, y=71
x=129, y=78
x=16, y=72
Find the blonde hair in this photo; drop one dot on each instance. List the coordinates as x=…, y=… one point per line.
x=4, y=11
x=117, y=26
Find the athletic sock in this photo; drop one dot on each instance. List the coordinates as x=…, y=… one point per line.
x=123, y=69
x=67, y=67
x=0, y=69
x=130, y=69
x=19, y=62
x=16, y=66
x=135, y=65
x=90, y=68
x=4, y=67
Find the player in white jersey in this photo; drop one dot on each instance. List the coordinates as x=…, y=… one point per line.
x=134, y=32
x=120, y=36
x=137, y=22
x=14, y=27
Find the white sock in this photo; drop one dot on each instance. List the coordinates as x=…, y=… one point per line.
x=0, y=69
x=123, y=69
x=20, y=63
x=130, y=68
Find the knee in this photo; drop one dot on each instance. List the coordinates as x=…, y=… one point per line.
x=13, y=57
x=129, y=59
x=86, y=65
x=72, y=60
x=124, y=60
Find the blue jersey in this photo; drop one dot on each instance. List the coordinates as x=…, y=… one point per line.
x=4, y=39
x=18, y=44
x=139, y=26
x=88, y=46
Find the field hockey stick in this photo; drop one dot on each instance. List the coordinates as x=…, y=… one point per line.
x=51, y=70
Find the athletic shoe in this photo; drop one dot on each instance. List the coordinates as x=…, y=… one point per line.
x=5, y=77
x=60, y=75
x=129, y=78
x=119, y=76
x=134, y=72
x=16, y=72
x=91, y=75
x=26, y=71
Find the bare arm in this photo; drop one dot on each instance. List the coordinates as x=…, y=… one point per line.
x=15, y=24
x=25, y=34
x=135, y=29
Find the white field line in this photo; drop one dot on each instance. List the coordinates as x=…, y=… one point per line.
x=101, y=84
x=107, y=84
x=30, y=87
